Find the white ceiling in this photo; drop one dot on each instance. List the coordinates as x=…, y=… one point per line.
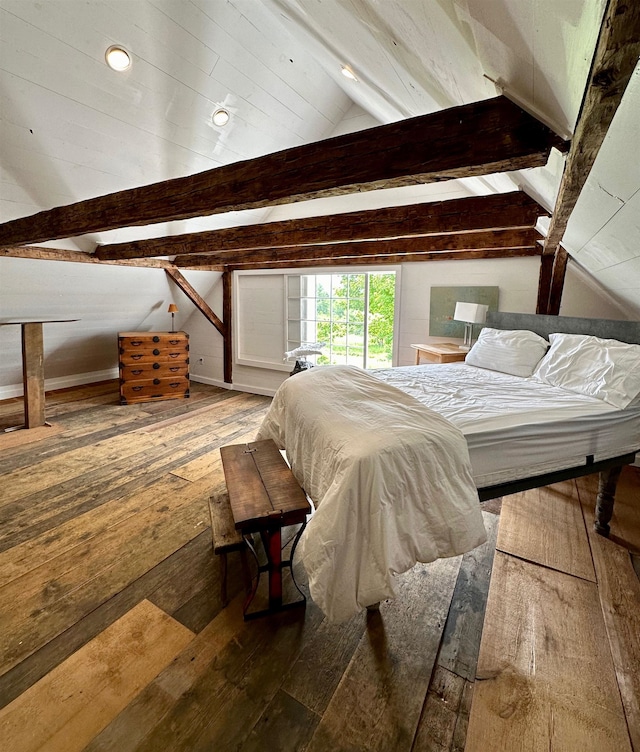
x=71, y=128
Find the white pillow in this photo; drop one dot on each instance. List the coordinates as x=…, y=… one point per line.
x=516, y=352
x=602, y=368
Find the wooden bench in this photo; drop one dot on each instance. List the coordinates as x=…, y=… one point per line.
x=264, y=497
x=226, y=538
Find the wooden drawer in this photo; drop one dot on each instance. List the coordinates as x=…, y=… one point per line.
x=154, y=369
x=157, y=355
x=141, y=339
x=153, y=389
x=145, y=347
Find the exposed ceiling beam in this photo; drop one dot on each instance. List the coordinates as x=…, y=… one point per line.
x=615, y=58
x=199, y=302
x=390, y=259
x=76, y=257
x=614, y=61
x=492, y=239
x=496, y=211
x=493, y=135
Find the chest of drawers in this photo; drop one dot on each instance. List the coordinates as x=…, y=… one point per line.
x=153, y=366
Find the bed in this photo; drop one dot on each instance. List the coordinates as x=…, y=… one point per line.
x=395, y=460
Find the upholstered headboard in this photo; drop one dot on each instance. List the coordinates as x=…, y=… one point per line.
x=623, y=331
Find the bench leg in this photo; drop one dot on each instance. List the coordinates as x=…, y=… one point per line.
x=223, y=579
x=246, y=571
x=273, y=545
x=272, y=542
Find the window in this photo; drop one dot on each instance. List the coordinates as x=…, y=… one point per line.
x=353, y=314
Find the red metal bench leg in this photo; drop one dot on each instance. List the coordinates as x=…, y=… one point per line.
x=272, y=544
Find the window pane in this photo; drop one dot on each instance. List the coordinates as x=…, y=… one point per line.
x=323, y=330
x=294, y=286
x=339, y=309
x=307, y=308
x=293, y=332
x=356, y=310
x=323, y=310
x=323, y=285
x=356, y=333
x=308, y=331
x=308, y=285
x=380, y=319
x=338, y=332
x=339, y=285
x=356, y=285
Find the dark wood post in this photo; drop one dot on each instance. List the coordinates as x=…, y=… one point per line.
x=33, y=373
x=227, y=308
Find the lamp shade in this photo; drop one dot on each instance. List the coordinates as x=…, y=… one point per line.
x=471, y=313
x=173, y=308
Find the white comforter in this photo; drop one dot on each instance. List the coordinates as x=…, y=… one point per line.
x=391, y=481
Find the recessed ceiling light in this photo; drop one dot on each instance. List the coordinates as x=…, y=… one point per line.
x=118, y=58
x=220, y=116
x=348, y=73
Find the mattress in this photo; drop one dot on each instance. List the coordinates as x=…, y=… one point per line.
x=517, y=427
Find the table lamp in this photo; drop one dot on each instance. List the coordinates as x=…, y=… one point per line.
x=470, y=313
x=173, y=309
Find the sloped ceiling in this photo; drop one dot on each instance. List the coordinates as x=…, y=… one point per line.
x=73, y=129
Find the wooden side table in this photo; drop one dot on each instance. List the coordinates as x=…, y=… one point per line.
x=442, y=352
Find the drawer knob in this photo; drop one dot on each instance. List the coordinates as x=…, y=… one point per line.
x=156, y=351
x=156, y=339
x=156, y=366
x=156, y=381
x=136, y=342
x=136, y=371
x=137, y=356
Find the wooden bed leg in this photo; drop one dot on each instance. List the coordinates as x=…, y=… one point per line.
x=606, y=496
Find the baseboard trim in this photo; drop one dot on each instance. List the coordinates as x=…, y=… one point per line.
x=62, y=382
x=235, y=387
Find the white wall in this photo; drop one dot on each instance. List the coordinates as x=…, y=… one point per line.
x=109, y=299
x=584, y=296
x=516, y=278
x=103, y=299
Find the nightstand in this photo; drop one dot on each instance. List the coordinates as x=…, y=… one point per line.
x=442, y=352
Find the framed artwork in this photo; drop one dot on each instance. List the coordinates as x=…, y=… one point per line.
x=443, y=304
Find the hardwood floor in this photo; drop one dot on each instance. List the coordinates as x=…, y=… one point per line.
x=113, y=634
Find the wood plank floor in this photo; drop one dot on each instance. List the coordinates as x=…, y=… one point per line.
x=107, y=512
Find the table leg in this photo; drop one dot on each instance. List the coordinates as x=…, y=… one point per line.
x=33, y=374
